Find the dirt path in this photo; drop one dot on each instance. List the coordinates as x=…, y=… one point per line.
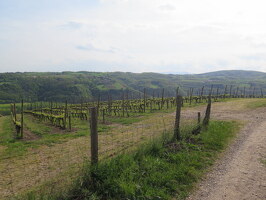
x=240, y=173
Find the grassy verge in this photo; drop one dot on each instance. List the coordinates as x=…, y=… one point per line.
x=159, y=170
x=257, y=104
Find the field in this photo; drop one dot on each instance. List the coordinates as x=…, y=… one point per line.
x=50, y=158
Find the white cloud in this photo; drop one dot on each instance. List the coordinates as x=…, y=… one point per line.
x=167, y=7
x=90, y=47
x=71, y=25
x=141, y=35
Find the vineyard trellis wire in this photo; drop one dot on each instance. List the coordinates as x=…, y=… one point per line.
x=58, y=165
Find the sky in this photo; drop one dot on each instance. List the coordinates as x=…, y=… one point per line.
x=165, y=36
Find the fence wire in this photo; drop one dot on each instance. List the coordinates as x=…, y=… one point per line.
x=56, y=167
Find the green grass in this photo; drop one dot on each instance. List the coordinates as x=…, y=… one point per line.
x=4, y=109
x=257, y=104
x=6, y=129
x=154, y=171
x=137, y=117
x=46, y=133
x=14, y=147
x=35, y=126
x=263, y=162
x=133, y=118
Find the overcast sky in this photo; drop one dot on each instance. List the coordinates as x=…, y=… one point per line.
x=191, y=36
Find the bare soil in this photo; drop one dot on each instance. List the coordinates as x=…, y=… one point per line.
x=240, y=173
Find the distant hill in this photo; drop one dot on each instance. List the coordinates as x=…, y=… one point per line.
x=235, y=73
x=85, y=86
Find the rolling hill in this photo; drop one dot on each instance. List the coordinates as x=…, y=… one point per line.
x=85, y=86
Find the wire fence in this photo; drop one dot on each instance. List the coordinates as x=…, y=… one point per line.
x=55, y=167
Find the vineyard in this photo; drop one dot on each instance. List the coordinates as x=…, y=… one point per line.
x=52, y=142
x=132, y=100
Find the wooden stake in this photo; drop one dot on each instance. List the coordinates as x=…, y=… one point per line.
x=230, y=93
x=199, y=118
x=208, y=113
x=65, y=116
x=94, y=136
x=103, y=116
x=22, y=119
x=144, y=97
x=15, y=112
x=69, y=122
x=225, y=90
x=123, y=103
x=162, y=99
x=177, y=118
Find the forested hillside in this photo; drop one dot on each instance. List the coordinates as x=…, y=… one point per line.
x=84, y=86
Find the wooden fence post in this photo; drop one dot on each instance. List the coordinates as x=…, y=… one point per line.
x=197, y=129
x=15, y=111
x=109, y=104
x=199, y=118
x=177, y=118
x=69, y=122
x=103, y=116
x=190, y=95
x=230, y=93
x=144, y=98
x=208, y=113
x=162, y=99
x=237, y=92
x=123, y=103
x=65, y=116
x=94, y=136
x=201, y=94
x=22, y=119
x=225, y=91
x=11, y=110
x=217, y=93
x=210, y=94
x=98, y=103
